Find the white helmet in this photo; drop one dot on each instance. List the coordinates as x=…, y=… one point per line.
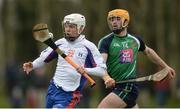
x=77, y=19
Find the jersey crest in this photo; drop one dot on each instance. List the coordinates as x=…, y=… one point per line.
x=70, y=53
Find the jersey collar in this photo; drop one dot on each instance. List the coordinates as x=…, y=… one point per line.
x=116, y=35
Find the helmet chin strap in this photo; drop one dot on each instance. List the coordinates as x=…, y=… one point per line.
x=124, y=25
x=118, y=31
x=69, y=38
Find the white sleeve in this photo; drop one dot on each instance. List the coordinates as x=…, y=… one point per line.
x=96, y=71
x=100, y=69
x=39, y=62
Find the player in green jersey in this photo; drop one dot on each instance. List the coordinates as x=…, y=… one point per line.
x=119, y=50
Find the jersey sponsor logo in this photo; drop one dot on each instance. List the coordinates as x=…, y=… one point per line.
x=126, y=56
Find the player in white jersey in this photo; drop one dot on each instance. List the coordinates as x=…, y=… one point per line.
x=65, y=88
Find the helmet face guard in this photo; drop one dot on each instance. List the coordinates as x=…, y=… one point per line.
x=70, y=36
x=118, y=13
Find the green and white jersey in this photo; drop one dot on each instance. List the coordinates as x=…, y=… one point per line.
x=122, y=53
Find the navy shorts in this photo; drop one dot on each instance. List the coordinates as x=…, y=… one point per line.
x=128, y=92
x=58, y=98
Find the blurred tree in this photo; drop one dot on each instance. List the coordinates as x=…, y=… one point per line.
x=2, y=40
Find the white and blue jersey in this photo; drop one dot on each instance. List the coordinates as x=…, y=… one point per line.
x=83, y=53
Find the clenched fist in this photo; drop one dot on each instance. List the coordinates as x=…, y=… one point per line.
x=108, y=81
x=27, y=67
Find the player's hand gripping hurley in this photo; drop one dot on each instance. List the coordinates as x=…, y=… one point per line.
x=41, y=33
x=154, y=77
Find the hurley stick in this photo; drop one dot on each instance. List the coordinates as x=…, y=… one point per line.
x=154, y=77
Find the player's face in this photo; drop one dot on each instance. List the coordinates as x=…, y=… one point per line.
x=71, y=31
x=115, y=23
